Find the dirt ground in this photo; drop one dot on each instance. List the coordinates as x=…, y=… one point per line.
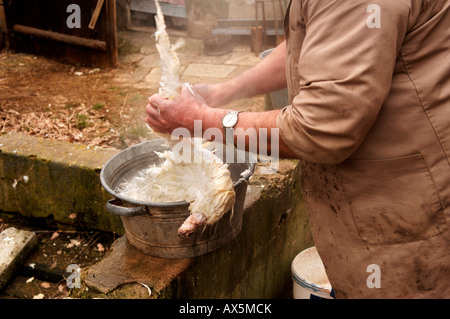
x=49, y=99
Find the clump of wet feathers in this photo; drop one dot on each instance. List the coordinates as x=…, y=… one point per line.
x=206, y=186
x=170, y=83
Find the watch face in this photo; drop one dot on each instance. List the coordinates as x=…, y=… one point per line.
x=230, y=120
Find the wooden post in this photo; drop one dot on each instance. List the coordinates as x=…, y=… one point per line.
x=3, y=28
x=111, y=32
x=257, y=39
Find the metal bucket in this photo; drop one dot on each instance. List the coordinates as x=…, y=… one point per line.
x=152, y=227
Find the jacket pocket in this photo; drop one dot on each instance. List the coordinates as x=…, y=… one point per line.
x=393, y=201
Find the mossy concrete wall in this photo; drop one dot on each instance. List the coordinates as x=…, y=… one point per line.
x=43, y=178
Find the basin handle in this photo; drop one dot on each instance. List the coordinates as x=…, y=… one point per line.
x=125, y=211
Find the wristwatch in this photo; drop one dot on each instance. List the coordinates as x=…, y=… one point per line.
x=229, y=121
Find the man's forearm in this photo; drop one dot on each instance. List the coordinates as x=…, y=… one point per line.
x=267, y=76
x=263, y=124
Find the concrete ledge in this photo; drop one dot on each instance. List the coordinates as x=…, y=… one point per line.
x=42, y=178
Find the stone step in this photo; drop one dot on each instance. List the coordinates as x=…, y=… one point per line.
x=15, y=247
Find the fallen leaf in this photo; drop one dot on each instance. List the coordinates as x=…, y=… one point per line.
x=100, y=247
x=73, y=216
x=45, y=285
x=55, y=263
x=73, y=242
x=40, y=296
x=54, y=235
x=29, y=280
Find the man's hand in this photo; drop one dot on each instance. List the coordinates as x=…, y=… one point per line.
x=165, y=115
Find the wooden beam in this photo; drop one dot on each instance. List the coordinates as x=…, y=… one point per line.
x=96, y=13
x=60, y=37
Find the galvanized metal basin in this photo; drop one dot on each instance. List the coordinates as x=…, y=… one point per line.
x=152, y=227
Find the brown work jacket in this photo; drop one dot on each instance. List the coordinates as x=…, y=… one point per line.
x=369, y=83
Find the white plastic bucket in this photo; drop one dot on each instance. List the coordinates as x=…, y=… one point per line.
x=310, y=280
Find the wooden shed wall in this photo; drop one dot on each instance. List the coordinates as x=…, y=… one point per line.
x=40, y=27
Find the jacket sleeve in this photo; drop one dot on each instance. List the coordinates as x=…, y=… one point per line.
x=345, y=68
